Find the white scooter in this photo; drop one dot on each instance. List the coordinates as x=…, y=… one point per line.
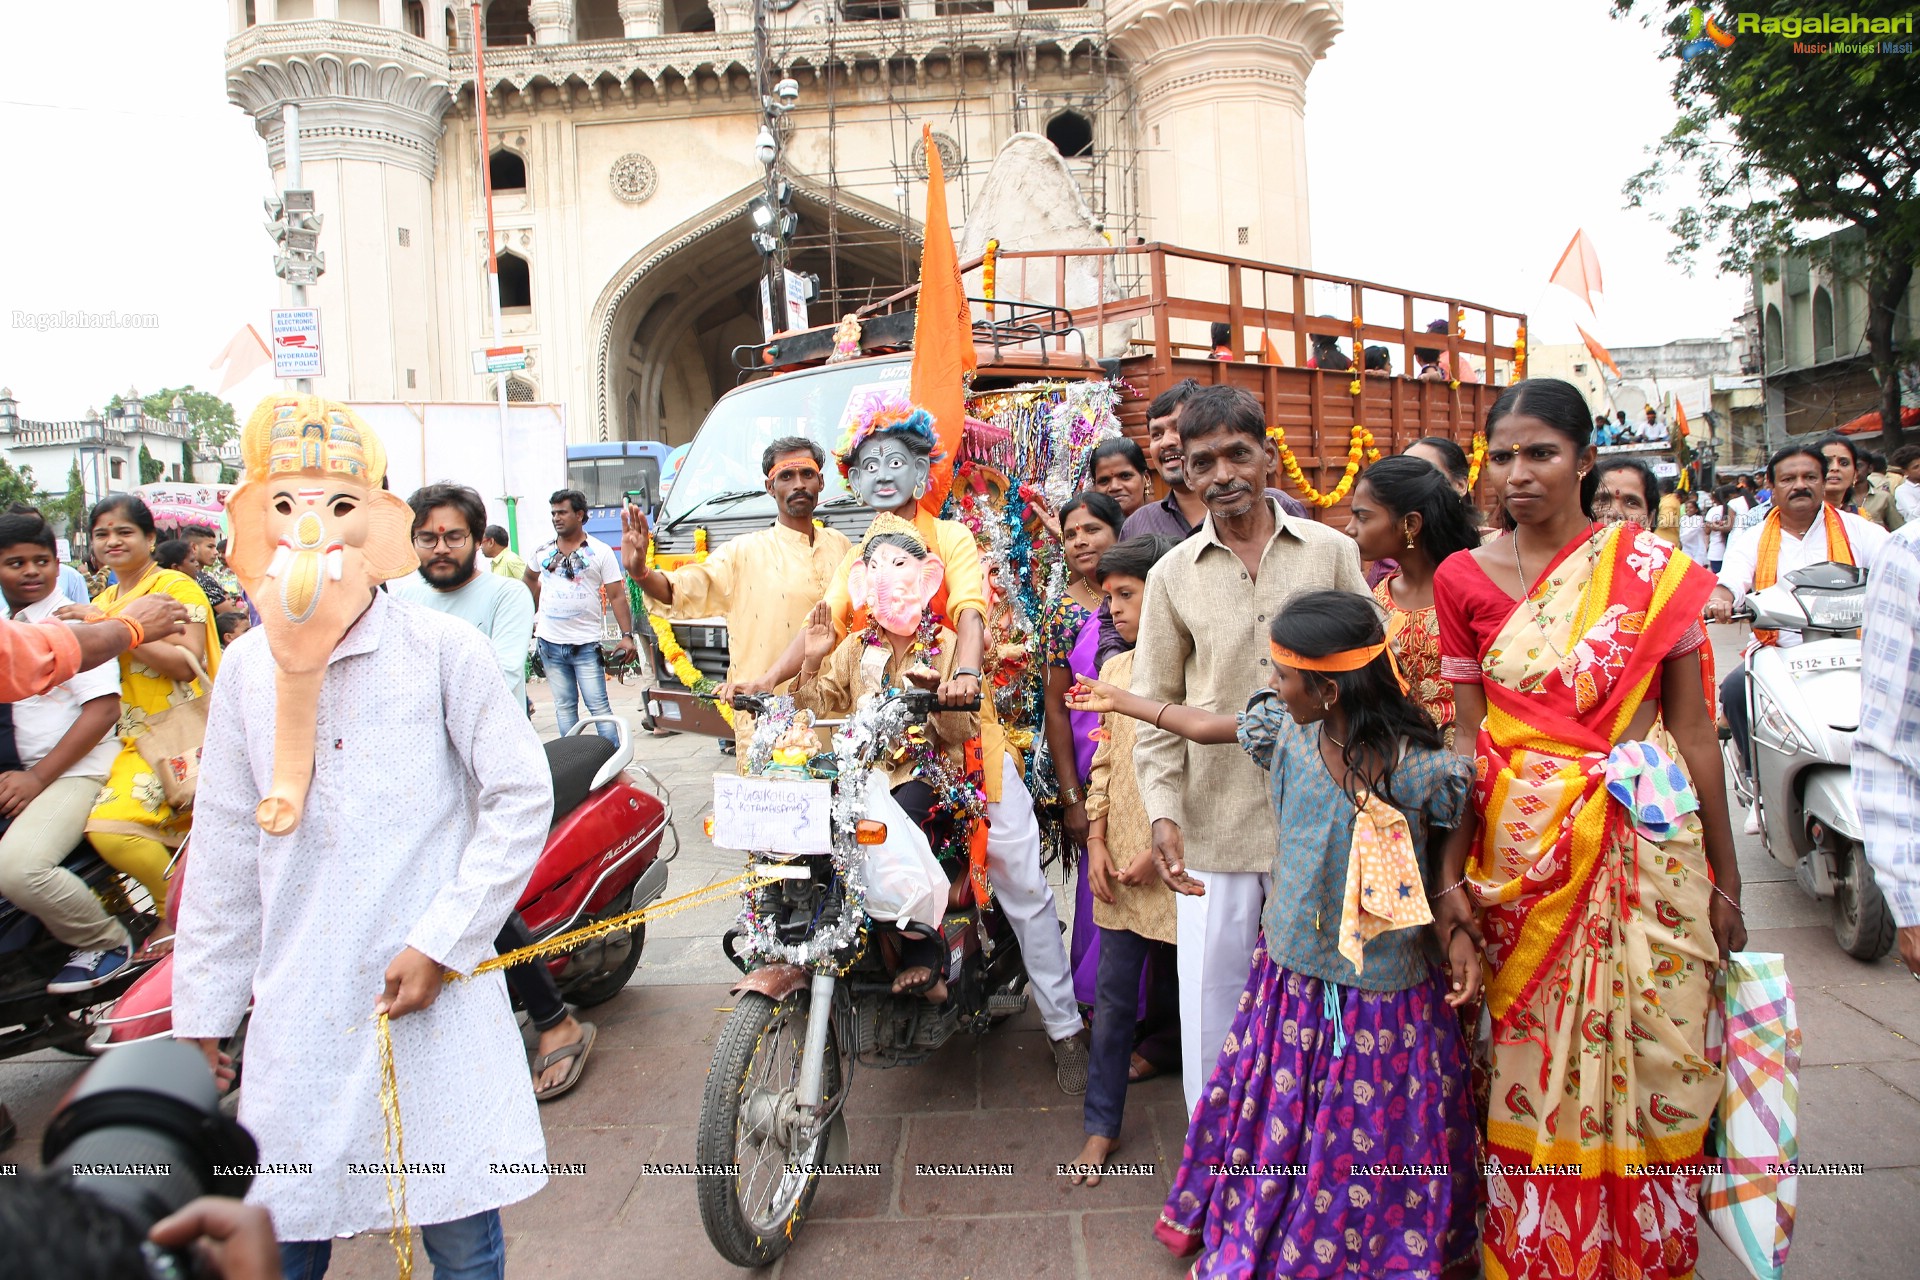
x=1803, y=706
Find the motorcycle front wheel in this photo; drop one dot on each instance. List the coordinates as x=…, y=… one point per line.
x=1862, y=923
x=756, y=1178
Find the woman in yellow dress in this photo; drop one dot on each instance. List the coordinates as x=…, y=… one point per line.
x=132, y=826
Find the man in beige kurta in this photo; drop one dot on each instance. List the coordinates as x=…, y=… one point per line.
x=1203, y=642
x=763, y=584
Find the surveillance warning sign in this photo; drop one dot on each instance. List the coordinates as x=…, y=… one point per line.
x=295, y=339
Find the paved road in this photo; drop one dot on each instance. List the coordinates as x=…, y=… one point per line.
x=995, y=1101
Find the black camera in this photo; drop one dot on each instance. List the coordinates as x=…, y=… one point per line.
x=140, y=1136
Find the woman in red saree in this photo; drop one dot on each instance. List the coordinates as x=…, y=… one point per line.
x=1590, y=867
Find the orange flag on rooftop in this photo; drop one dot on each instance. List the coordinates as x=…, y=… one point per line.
x=943, y=353
x=1578, y=271
x=1679, y=419
x=1597, y=351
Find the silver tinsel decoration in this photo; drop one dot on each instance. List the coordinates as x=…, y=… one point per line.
x=874, y=724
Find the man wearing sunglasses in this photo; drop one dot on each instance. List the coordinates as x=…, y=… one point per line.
x=763, y=584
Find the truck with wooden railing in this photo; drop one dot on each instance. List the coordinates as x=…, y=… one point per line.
x=1143, y=316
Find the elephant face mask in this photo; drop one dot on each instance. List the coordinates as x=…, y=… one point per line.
x=313, y=535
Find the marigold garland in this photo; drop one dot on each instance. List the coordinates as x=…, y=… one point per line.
x=1362, y=445
x=989, y=266
x=1520, y=354
x=698, y=683
x=1478, y=457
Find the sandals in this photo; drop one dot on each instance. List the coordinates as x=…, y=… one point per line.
x=1139, y=1068
x=922, y=986
x=577, y=1051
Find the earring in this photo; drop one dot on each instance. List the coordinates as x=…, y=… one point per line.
x=1409, y=541
x=920, y=490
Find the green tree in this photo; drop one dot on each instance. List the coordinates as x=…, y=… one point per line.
x=210, y=417
x=16, y=486
x=1785, y=146
x=151, y=468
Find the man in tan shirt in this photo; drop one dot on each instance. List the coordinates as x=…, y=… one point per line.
x=1203, y=642
x=763, y=584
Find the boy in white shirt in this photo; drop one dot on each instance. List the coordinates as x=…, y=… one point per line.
x=55, y=750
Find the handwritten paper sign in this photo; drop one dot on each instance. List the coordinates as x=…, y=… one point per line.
x=774, y=815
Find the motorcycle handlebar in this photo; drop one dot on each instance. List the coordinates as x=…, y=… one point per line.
x=922, y=702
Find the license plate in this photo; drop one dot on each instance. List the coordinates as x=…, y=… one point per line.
x=1824, y=662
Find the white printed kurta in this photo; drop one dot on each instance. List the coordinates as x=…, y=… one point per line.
x=429, y=805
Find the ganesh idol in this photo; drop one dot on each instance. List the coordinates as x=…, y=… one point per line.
x=889, y=457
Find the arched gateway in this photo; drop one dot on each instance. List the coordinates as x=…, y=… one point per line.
x=667, y=322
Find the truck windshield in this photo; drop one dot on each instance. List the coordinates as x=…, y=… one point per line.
x=725, y=457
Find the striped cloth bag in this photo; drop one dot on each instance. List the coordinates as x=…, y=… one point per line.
x=1755, y=1037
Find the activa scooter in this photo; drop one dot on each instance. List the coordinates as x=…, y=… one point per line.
x=1803, y=706
x=602, y=859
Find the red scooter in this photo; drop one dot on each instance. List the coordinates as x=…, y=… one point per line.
x=602, y=859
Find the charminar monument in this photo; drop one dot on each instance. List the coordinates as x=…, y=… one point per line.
x=625, y=154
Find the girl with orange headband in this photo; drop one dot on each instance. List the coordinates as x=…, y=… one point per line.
x=1342, y=1089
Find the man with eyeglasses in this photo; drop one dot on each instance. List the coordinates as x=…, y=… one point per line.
x=763, y=584
x=448, y=521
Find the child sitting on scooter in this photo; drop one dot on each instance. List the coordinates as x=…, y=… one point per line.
x=894, y=579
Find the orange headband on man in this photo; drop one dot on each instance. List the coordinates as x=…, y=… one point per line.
x=797, y=455
x=1344, y=660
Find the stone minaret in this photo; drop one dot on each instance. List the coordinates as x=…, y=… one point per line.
x=1221, y=87
x=371, y=89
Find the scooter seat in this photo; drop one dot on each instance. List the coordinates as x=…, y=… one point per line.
x=573, y=761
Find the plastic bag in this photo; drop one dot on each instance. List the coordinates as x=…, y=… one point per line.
x=1749, y=1202
x=904, y=879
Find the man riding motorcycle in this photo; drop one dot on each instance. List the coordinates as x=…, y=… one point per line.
x=1801, y=529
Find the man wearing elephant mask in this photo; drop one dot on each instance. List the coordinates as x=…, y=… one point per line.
x=371, y=802
x=887, y=456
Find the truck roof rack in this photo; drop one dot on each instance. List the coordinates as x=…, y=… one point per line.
x=1007, y=324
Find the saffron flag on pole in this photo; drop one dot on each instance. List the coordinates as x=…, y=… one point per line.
x=943, y=354
x=244, y=353
x=1597, y=351
x=1679, y=418
x=1578, y=271
x=1269, y=354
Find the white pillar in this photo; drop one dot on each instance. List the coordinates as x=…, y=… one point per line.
x=552, y=21
x=1222, y=95
x=390, y=16
x=640, y=18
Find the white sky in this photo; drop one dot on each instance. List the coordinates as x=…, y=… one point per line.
x=1452, y=148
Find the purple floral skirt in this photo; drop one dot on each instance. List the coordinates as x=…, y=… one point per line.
x=1296, y=1157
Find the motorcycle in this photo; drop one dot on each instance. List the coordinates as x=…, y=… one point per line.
x=30, y=957
x=816, y=995
x=602, y=859
x=1803, y=707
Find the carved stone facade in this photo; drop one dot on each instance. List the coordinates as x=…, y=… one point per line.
x=630, y=126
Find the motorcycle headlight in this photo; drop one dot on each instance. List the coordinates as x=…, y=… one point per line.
x=1837, y=612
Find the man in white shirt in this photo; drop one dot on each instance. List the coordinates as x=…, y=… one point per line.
x=1801, y=519
x=55, y=751
x=1906, y=471
x=574, y=579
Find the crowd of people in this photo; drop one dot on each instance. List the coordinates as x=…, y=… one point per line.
x=1418, y=876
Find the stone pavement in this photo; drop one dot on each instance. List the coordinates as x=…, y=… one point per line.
x=994, y=1101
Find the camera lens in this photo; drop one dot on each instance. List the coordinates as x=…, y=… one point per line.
x=143, y=1132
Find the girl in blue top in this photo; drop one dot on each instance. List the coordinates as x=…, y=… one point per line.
x=1336, y=1137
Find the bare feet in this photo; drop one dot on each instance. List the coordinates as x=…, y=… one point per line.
x=1085, y=1169
x=922, y=981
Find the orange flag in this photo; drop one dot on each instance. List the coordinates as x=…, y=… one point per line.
x=1269, y=354
x=943, y=353
x=1597, y=351
x=1578, y=271
x=243, y=353
x=1679, y=418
